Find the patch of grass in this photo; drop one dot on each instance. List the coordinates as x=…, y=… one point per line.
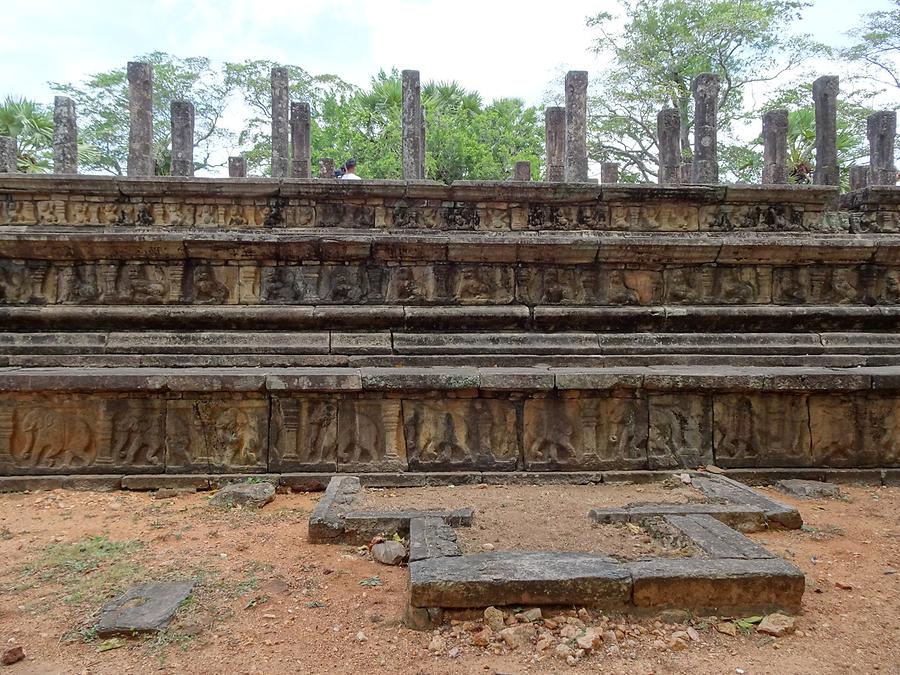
x=90, y=568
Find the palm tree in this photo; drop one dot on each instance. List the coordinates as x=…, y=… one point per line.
x=32, y=126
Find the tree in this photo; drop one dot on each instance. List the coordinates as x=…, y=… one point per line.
x=101, y=103
x=877, y=46
x=663, y=45
x=32, y=127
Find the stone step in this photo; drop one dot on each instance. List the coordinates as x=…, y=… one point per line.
x=539, y=318
x=408, y=344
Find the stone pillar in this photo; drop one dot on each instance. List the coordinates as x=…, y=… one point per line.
x=326, y=167
x=182, y=138
x=413, y=131
x=882, y=128
x=555, y=144
x=8, y=155
x=687, y=171
x=825, y=91
x=523, y=171
x=705, y=161
x=859, y=177
x=576, y=126
x=237, y=167
x=65, y=136
x=140, y=107
x=300, y=140
x=668, y=138
x=280, y=126
x=774, y=132
x=609, y=172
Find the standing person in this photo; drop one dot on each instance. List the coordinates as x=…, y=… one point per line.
x=350, y=173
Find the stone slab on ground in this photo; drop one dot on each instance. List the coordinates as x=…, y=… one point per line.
x=431, y=538
x=717, y=586
x=519, y=578
x=733, y=492
x=717, y=539
x=360, y=526
x=808, y=489
x=143, y=608
x=326, y=524
x=244, y=494
x=743, y=518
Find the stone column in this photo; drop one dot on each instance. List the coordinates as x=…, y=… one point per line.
x=882, y=128
x=609, y=172
x=523, y=171
x=8, y=155
x=280, y=130
x=237, y=167
x=774, y=132
x=687, y=171
x=705, y=161
x=668, y=138
x=413, y=131
x=326, y=167
x=859, y=177
x=576, y=126
x=555, y=144
x=65, y=136
x=825, y=91
x=140, y=108
x=182, y=138
x=300, y=140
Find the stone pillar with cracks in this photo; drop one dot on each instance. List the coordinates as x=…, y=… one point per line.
x=280, y=126
x=65, y=136
x=555, y=144
x=881, y=129
x=412, y=123
x=237, y=167
x=576, y=126
x=182, y=138
x=774, y=133
x=705, y=163
x=300, y=140
x=825, y=92
x=668, y=138
x=140, y=111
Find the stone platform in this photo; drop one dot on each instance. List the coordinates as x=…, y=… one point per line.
x=174, y=326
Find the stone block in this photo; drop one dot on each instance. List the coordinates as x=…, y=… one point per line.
x=585, y=434
x=448, y=435
x=718, y=285
x=80, y=434
x=431, y=537
x=808, y=489
x=303, y=434
x=721, y=587
x=144, y=608
x=717, y=539
x=326, y=524
x=519, y=578
x=680, y=431
x=167, y=481
x=370, y=436
x=766, y=429
x=816, y=285
x=871, y=440
x=217, y=434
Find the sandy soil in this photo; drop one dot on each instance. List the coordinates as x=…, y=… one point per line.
x=268, y=602
x=548, y=518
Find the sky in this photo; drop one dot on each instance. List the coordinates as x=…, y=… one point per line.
x=497, y=48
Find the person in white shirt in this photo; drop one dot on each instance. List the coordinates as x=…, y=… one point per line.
x=350, y=173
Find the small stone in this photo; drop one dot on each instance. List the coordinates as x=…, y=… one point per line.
x=389, y=552
x=361, y=637
x=569, y=632
x=518, y=637
x=483, y=637
x=712, y=468
x=529, y=615
x=776, y=625
x=584, y=615
x=659, y=645
x=693, y=634
x=844, y=586
x=564, y=651
x=493, y=617
x=609, y=637
x=589, y=640
x=614, y=650
x=487, y=547
x=673, y=616
x=437, y=644
x=571, y=660
x=243, y=494
x=685, y=478
x=545, y=643
x=677, y=645
x=13, y=655
x=726, y=628
x=808, y=489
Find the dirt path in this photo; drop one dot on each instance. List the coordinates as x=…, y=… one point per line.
x=268, y=602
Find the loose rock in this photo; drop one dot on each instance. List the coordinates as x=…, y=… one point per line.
x=726, y=628
x=518, y=637
x=437, y=644
x=493, y=617
x=389, y=552
x=13, y=655
x=808, y=489
x=776, y=625
x=244, y=494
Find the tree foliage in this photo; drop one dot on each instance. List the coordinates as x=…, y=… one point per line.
x=877, y=46
x=32, y=126
x=662, y=46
